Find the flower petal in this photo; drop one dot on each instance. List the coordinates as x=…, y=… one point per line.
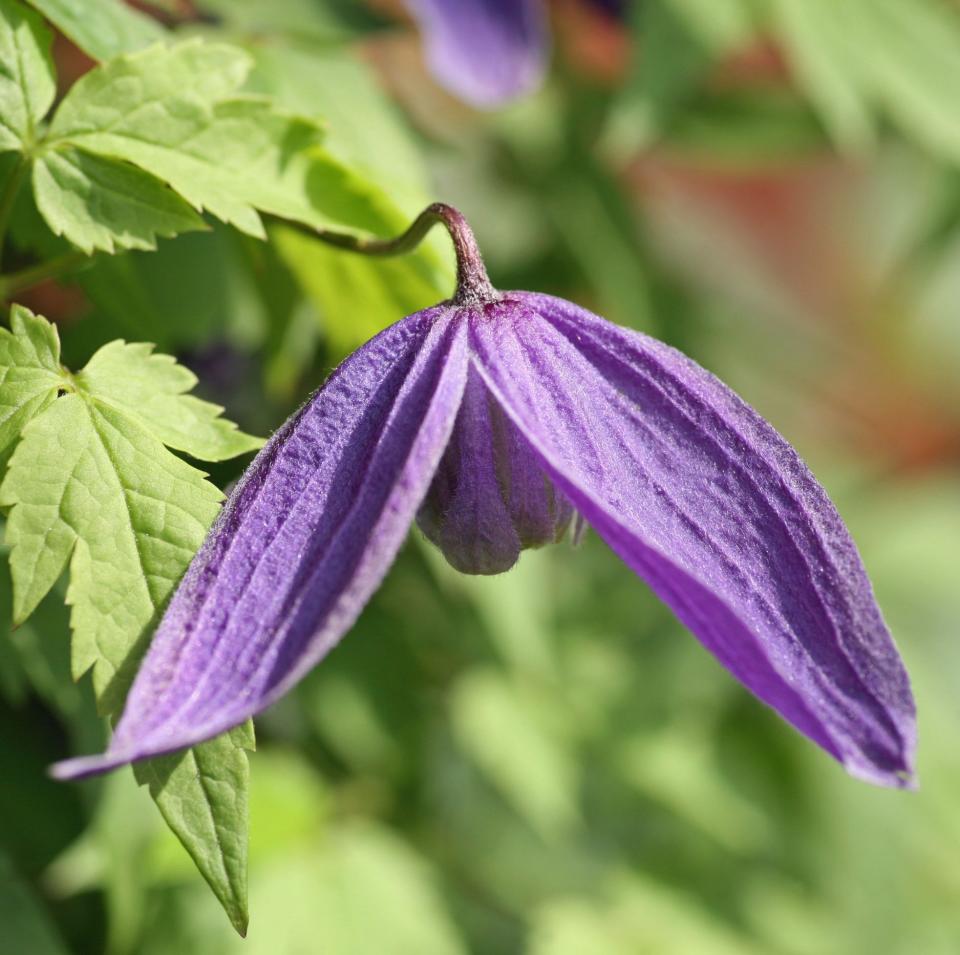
x=484, y=51
x=305, y=538
x=703, y=499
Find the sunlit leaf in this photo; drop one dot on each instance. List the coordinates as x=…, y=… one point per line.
x=100, y=203
x=92, y=486
x=364, y=130
x=101, y=28
x=30, y=373
x=202, y=795
x=153, y=389
x=169, y=111
x=27, y=84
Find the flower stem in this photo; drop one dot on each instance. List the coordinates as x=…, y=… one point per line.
x=9, y=196
x=53, y=268
x=473, y=285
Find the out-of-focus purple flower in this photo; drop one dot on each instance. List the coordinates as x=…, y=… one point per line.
x=484, y=51
x=493, y=419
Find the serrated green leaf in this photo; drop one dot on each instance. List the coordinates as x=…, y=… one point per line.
x=101, y=28
x=167, y=111
x=152, y=389
x=135, y=90
x=92, y=484
x=89, y=484
x=100, y=203
x=27, y=82
x=30, y=372
x=202, y=795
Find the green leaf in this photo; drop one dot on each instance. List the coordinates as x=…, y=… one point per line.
x=681, y=42
x=101, y=28
x=152, y=389
x=721, y=25
x=101, y=203
x=89, y=485
x=215, y=295
x=909, y=53
x=171, y=88
x=640, y=915
x=368, y=891
x=167, y=111
x=26, y=926
x=502, y=729
x=674, y=62
x=92, y=485
x=821, y=51
x=304, y=18
x=178, y=114
x=364, y=130
x=30, y=372
x=355, y=295
x=202, y=795
x=27, y=82
x=376, y=170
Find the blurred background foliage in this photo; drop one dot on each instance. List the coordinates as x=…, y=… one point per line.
x=545, y=762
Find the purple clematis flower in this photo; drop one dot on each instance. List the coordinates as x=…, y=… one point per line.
x=484, y=51
x=495, y=421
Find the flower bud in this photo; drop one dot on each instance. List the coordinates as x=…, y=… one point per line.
x=490, y=498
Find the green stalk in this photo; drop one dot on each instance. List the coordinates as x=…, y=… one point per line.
x=32, y=275
x=9, y=196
